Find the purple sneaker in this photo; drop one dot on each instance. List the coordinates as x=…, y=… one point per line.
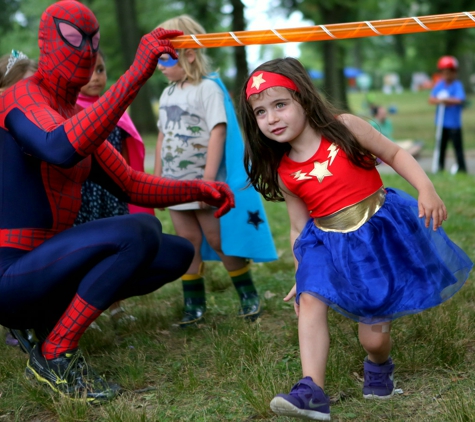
x=378, y=380
x=306, y=400
x=10, y=340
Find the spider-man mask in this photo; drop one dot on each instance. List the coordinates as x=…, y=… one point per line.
x=68, y=41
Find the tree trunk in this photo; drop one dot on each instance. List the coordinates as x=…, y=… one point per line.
x=141, y=109
x=334, y=83
x=466, y=70
x=240, y=59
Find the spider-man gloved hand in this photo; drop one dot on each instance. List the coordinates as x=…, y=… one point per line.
x=96, y=124
x=151, y=47
x=145, y=189
x=218, y=195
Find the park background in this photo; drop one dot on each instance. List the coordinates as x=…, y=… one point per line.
x=226, y=369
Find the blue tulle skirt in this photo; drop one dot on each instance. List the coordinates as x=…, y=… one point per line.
x=391, y=266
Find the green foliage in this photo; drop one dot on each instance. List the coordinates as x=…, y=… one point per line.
x=8, y=8
x=403, y=54
x=22, y=34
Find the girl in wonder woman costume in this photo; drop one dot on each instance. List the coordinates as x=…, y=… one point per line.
x=369, y=252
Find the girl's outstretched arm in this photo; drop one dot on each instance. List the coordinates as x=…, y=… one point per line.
x=430, y=204
x=299, y=216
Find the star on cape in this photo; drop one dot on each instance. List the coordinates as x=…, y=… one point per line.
x=320, y=170
x=254, y=219
x=257, y=81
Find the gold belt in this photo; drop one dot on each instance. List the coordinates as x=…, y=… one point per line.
x=353, y=217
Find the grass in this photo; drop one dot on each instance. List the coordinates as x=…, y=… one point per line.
x=414, y=118
x=229, y=370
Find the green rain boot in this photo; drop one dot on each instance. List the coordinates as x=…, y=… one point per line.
x=194, y=298
x=250, y=303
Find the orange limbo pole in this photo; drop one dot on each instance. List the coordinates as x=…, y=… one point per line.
x=338, y=31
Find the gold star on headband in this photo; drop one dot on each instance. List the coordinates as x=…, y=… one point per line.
x=257, y=81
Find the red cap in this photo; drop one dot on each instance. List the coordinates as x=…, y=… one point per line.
x=447, y=62
x=260, y=81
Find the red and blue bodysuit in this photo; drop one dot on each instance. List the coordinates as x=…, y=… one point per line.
x=51, y=273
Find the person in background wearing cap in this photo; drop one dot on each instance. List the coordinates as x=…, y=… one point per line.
x=449, y=92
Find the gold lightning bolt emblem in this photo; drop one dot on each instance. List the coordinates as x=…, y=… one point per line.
x=257, y=81
x=298, y=175
x=320, y=170
x=333, y=148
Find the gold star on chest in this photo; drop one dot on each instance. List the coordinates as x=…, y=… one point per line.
x=320, y=170
x=257, y=81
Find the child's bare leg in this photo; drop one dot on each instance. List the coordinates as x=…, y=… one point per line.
x=378, y=367
x=314, y=337
x=238, y=268
x=187, y=225
x=211, y=229
x=376, y=340
x=306, y=399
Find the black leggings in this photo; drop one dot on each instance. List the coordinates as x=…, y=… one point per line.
x=455, y=135
x=103, y=261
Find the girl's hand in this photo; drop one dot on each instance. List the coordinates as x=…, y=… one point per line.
x=431, y=206
x=290, y=295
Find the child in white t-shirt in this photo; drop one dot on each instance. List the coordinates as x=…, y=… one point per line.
x=194, y=136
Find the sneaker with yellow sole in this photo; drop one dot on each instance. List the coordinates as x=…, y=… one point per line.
x=70, y=376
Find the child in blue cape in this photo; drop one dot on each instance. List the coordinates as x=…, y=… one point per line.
x=199, y=138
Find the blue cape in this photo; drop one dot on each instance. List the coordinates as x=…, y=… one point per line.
x=245, y=231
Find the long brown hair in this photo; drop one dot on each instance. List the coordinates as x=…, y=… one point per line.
x=262, y=156
x=17, y=71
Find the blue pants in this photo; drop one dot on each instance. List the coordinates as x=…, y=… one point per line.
x=103, y=261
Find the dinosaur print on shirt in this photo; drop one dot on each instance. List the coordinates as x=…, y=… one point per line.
x=187, y=115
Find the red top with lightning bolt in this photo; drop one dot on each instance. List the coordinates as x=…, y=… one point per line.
x=328, y=181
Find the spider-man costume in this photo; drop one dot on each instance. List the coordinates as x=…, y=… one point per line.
x=53, y=274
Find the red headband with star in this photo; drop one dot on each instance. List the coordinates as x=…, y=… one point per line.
x=261, y=81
